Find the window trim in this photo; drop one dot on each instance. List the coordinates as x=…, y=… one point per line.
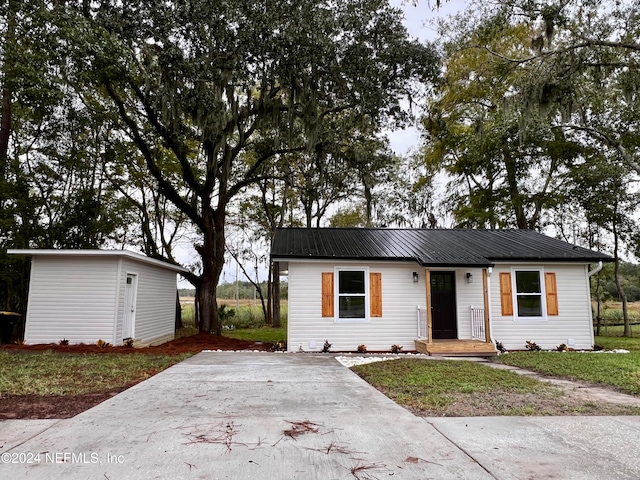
x=336, y=295
x=543, y=295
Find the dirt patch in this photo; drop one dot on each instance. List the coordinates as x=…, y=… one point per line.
x=51, y=406
x=66, y=406
x=192, y=344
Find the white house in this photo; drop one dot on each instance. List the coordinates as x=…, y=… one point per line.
x=437, y=291
x=89, y=295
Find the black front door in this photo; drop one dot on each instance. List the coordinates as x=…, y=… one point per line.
x=443, y=305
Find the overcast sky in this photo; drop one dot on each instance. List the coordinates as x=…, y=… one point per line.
x=418, y=20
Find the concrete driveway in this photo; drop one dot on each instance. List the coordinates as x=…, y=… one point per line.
x=302, y=416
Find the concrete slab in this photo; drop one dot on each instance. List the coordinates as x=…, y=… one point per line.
x=14, y=433
x=548, y=447
x=244, y=416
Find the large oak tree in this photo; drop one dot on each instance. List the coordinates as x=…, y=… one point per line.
x=199, y=85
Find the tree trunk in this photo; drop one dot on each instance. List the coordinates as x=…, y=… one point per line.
x=178, y=318
x=616, y=276
x=277, y=322
x=598, y=306
x=212, y=254
x=269, y=318
x=516, y=198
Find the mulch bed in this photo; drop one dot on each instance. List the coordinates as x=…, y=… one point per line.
x=66, y=406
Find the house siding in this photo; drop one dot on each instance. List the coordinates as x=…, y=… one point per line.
x=71, y=299
x=155, y=302
x=397, y=325
x=573, y=321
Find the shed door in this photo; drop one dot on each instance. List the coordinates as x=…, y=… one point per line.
x=443, y=303
x=129, y=306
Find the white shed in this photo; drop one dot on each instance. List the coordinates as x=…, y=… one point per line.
x=89, y=295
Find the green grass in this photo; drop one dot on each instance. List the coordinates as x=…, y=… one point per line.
x=612, y=343
x=616, y=331
x=51, y=373
x=621, y=371
x=260, y=334
x=434, y=386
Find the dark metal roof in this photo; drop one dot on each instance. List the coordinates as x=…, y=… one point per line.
x=456, y=247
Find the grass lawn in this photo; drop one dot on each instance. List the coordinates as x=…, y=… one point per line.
x=51, y=373
x=618, y=370
x=462, y=388
x=260, y=334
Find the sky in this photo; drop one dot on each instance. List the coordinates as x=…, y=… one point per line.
x=418, y=20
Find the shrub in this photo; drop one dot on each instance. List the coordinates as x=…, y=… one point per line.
x=102, y=344
x=500, y=347
x=64, y=341
x=532, y=346
x=562, y=348
x=280, y=346
x=362, y=348
x=396, y=348
x=326, y=348
x=128, y=343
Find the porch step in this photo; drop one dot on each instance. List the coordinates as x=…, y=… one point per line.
x=456, y=348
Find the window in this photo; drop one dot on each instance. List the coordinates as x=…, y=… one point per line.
x=529, y=293
x=358, y=294
x=352, y=294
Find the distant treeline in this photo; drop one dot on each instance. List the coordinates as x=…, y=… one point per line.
x=245, y=290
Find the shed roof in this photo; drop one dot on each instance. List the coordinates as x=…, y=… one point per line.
x=439, y=247
x=97, y=253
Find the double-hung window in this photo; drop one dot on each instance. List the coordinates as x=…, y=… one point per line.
x=352, y=294
x=529, y=294
x=534, y=295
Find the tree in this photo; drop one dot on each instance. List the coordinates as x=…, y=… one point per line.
x=528, y=85
x=601, y=188
x=196, y=83
x=504, y=173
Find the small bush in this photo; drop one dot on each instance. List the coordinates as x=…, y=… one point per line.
x=500, y=347
x=279, y=346
x=532, y=346
x=102, y=344
x=64, y=341
x=597, y=347
x=562, y=348
x=326, y=348
x=128, y=343
x=396, y=348
x=362, y=348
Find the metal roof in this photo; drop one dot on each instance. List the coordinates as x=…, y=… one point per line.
x=455, y=247
x=36, y=252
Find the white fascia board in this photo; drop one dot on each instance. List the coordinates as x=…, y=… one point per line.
x=96, y=253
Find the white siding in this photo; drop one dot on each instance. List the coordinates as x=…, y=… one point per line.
x=71, y=298
x=400, y=299
x=398, y=324
x=155, y=301
x=574, y=308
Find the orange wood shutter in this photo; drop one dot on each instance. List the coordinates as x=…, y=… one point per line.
x=506, y=299
x=552, y=293
x=327, y=294
x=375, y=293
